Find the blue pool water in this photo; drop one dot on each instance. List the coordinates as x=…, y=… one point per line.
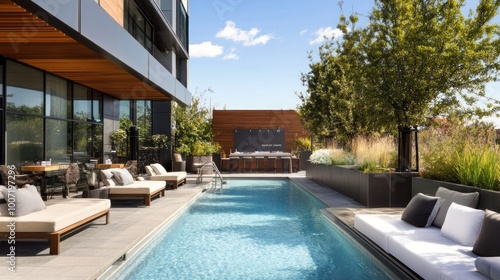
x=253, y=229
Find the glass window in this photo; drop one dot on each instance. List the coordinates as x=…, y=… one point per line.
x=58, y=139
x=144, y=122
x=82, y=100
x=96, y=106
x=24, y=138
x=58, y=101
x=24, y=89
x=124, y=107
x=82, y=149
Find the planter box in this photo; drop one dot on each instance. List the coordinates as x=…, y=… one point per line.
x=487, y=199
x=370, y=189
x=304, y=159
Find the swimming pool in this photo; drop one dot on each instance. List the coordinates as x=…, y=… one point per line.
x=253, y=229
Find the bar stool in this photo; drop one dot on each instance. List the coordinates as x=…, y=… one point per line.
x=273, y=160
x=245, y=160
x=233, y=164
x=259, y=161
x=285, y=162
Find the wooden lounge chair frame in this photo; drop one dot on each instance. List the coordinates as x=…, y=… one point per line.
x=55, y=237
x=146, y=197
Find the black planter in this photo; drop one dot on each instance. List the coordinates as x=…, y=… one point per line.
x=304, y=159
x=487, y=199
x=370, y=189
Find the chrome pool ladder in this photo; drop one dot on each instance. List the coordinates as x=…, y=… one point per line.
x=210, y=166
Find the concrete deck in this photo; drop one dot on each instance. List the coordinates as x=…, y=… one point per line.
x=89, y=252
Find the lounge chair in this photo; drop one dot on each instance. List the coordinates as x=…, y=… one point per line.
x=157, y=172
x=52, y=221
x=122, y=186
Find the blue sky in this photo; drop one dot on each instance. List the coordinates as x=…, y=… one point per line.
x=251, y=53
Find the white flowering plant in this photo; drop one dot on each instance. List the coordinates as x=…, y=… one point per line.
x=331, y=157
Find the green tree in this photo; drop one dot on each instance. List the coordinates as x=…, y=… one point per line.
x=413, y=60
x=193, y=125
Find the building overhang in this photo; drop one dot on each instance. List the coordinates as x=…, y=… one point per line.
x=79, y=41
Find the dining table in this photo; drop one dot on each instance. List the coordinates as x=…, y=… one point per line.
x=47, y=171
x=266, y=155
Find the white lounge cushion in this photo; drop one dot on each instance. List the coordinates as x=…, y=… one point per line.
x=170, y=176
x=57, y=216
x=462, y=224
x=138, y=187
x=150, y=170
x=159, y=169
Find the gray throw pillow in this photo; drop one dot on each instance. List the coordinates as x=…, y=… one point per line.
x=449, y=196
x=27, y=200
x=488, y=243
x=490, y=267
x=123, y=177
x=421, y=210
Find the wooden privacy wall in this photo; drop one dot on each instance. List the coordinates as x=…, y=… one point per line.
x=225, y=121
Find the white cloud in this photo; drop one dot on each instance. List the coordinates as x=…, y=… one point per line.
x=231, y=55
x=325, y=32
x=303, y=32
x=205, y=49
x=247, y=37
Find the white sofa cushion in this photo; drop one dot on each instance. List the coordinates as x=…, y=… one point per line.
x=379, y=228
x=434, y=256
x=57, y=216
x=462, y=224
x=490, y=267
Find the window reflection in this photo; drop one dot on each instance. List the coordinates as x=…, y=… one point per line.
x=24, y=138
x=82, y=103
x=58, y=101
x=58, y=140
x=24, y=89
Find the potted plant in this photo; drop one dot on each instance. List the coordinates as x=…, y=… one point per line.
x=199, y=153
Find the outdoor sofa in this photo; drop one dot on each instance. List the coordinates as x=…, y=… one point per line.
x=34, y=220
x=439, y=237
x=122, y=185
x=157, y=172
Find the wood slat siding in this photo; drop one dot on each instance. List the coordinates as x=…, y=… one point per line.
x=225, y=121
x=114, y=8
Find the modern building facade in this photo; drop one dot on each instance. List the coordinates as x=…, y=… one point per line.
x=71, y=70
